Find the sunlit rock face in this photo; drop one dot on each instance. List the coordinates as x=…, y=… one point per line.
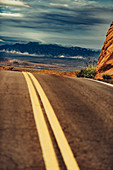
x=105, y=62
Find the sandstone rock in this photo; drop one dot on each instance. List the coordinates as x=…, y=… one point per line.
x=105, y=62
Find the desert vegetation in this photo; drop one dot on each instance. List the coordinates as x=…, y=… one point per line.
x=106, y=76
x=88, y=72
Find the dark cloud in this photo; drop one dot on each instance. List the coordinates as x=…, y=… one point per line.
x=61, y=21
x=11, y=40
x=61, y=17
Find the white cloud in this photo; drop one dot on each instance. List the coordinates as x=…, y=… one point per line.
x=74, y=57
x=84, y=2
x=2, y=40
x=19, y=53
x=13, y=3
x=11, y=14
x=59, y=5
x=92, y=2
x=74, y=3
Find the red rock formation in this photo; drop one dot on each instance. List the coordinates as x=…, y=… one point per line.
x=105, y=62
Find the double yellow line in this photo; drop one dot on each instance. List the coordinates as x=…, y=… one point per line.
x=48, y=151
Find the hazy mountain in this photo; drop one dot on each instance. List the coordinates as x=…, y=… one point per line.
x=50, y=49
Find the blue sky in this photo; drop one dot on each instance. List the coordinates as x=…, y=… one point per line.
x=67, y=22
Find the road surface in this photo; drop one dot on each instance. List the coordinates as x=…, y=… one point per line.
x=84, y=109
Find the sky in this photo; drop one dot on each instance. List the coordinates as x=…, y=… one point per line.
x=81, y=23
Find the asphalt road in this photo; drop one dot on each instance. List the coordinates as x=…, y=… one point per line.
x=84, y=109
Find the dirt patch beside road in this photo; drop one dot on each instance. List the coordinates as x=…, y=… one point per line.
x=56, y=72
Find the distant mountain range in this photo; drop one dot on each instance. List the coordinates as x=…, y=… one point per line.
x=50, y=50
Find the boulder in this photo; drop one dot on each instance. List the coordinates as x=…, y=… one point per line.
x=105, y=61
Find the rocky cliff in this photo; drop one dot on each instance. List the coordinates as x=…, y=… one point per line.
x=105, y=62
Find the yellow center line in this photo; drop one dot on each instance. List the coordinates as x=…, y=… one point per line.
x=49, y=155
x=64, y=147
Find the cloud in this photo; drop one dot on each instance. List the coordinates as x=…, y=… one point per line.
x=11, y=14
x=58, y=5
x=8, y=39
x=77, y=18
x=74, y=20
x=68, y=18
x=13, y=3
x=20, y=53
x=56, y=19
x=1, y=40
x=84, y=2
